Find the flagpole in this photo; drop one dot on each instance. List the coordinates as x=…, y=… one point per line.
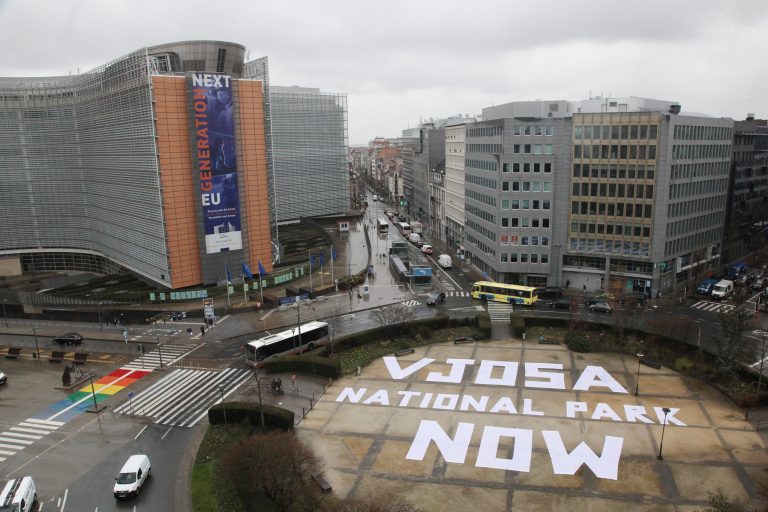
x=310, y=274
x=261, y=289
x=245, y=294
x=333, y=281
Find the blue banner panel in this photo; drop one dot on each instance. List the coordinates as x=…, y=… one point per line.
x=214, y=128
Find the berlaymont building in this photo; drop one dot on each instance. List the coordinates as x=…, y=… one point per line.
x=172, y=162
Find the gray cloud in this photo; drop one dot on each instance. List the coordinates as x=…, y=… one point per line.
x=403, y=59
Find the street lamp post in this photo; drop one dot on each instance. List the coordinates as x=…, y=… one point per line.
x=637, y=381
x=5, y=317
x=663, y=426
x=159, y=350
x=223, y=407
x=297, y=305
x=93, y=391
x=37, y=349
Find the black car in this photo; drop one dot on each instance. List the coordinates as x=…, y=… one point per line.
x=561, y=304
x=70, y=338
x=550, y=293
x=178, y=315
x=434, y=298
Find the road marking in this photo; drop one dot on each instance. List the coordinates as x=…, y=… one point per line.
x=267, y=314
x=64, y=500
x=140, y=432
x=168, y=431
x=89, y=396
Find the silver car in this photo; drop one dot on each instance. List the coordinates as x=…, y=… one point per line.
x=600, y=307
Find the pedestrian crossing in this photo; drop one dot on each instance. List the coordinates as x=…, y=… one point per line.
x=24, y=434
x=713, y=307
x=165, y=354
x=410, y=303
x=499, y=312
x=183, y=397
x=458, y=294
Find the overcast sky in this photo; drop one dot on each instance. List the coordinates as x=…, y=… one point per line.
x=402, y=61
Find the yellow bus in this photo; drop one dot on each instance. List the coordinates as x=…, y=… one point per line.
x=507, y=293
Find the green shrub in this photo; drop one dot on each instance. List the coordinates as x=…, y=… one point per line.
x=577, y=342
x=311, y=365
x=684, y=365
x=542, y=321
x=484, y=325
x=236, y=412
x=518, y=325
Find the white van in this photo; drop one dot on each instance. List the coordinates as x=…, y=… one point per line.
x=414, y=238
x=722, y=289
x=444, y=260
x=131, y=478
x=18, y=495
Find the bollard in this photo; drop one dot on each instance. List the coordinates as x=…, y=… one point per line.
x=303, y=412
x=523, y=336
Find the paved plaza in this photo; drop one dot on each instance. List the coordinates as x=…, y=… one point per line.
x=495, y=426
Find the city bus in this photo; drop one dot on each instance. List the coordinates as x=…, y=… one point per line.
x=508, y=293
x=382, y=226
x=292, y=341
x=404, y=228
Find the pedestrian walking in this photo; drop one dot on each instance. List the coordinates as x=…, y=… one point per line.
x=189, y=331
x=293, y=380
x=202, y=330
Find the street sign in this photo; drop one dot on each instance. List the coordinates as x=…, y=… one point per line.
x=130, y=394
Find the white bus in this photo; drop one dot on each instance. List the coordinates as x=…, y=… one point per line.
x=404, y=228
x=382, y=225
x=291, y=341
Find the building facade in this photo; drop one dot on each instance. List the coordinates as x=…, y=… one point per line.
x=158, y=162
x=624, y=195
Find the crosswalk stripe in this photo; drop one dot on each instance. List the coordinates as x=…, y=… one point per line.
x=3, y=452
x=23, y=436
x=202, y=411
x=410, y=303
x=712, y=307
x=167, y=354
x=179, y=397
x=14, y=440
x=45, y=422
x=50, y=428
x=12, y=446
x=30, y=430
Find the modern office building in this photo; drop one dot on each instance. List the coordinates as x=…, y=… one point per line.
x=617, y=194
x=746, y=223
x=453, y=182
x=157, y=162
x=309, y=153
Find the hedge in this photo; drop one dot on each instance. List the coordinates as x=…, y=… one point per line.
x=308, y=364
x=238, y=411
x=518, y=325
x=484, y=324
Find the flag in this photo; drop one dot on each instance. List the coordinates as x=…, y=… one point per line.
x=229, y=275
x=247, y=271
x=310, y=262
x=333, y=253
x=322, y=259
x=261, y=269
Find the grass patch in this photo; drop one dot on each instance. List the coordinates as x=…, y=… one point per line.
x=208, y=491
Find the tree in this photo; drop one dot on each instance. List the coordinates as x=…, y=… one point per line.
x=393, y=319
x=718, y=502
x=730, y=347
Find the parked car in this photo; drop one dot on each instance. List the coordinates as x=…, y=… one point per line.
x=550, y=293
x=744, y=280
x=132, y=476
x=70, y=338
x=178, y=315
x=3, y=377
x=705, y=287
x=435, y=298
x=758, y=284
x=562, y=304
x=427, y=249
x=600, y=307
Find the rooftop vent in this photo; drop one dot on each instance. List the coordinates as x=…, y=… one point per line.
x=674, y=108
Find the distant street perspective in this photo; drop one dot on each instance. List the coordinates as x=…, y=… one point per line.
x=213, y=301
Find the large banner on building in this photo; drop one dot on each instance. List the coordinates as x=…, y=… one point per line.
x=214, y=128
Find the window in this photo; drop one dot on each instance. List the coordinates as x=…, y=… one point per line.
x=526, y=186
x=545, y=258
x=537, y=149
x=513, y=257
x=537, y=186
x=536, y=167
x=526, y=204
x=516, y=167
x=587, y=132
x=523, y=258
x=547, y=186
x=515, y=204
x=534, y=223
x=534, y=258
x=525, y=223
x=547, y=167
x=535, y=205
x=505, y=204
x=526, y=167
x=505, y=167
x=578, y=133
x=505, y=222
x=515, y=222
x=545, y=240
x=547, y=149
x=523, y=240
x=549, y=131
x=516, y=186
x=546, y=204
x=504, y=257
x=505, y=186
x=516, y=148
x=545, y=223
x=527, y=147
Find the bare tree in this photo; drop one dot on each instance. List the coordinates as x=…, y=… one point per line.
x=730, y=347
x=393, y=319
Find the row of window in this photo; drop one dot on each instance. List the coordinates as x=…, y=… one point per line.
x=688, y=132
x=477, y=196
x=527, y=167
x=485, y=131
x=610, y=209
x=481, y=181
x=482, y=214
x=524, y=240
x=694, y=223
x=686, y=243
x=610, y=246
x=482, y=230
x=699, y=170
x=632, y=172
x=484, y=148
x=526, y=204
x=525, y=222
x=527, y=186
x=616, y=132
x=519, y=129
x=693, y=151
x=615, y=151
x=524, y=258
x=532, y=149
x=696, y=188
x=694, y=206
x=484, y=166
x=611, y=229
x=628, y=190
x=490, y=251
